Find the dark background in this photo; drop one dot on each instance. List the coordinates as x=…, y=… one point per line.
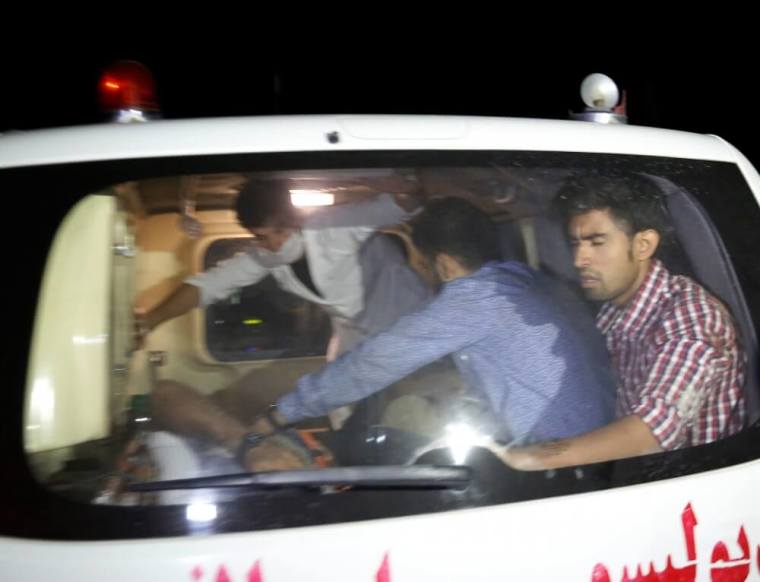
x=692, y=83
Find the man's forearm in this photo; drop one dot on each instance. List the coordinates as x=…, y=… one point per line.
x=625, y=437
x=185, y=298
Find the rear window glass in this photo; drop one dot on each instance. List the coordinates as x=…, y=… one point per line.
x=399, y=311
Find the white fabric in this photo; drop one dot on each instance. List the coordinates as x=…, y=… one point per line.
x=291, y=251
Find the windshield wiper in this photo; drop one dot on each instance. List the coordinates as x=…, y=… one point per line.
x=396, y=476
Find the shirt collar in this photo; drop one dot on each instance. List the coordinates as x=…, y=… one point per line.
x=646, y=302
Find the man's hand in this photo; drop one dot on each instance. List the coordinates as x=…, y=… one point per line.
x=529, y=458
x=625, y=437
x=141, y=327
x=263, y=425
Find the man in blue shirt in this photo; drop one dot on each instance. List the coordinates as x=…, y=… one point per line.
x=519, y=344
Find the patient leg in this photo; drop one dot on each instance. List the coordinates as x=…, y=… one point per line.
x=180, y=409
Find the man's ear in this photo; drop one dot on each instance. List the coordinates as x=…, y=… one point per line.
x=645, y=243
x=442, y=266
x=449, y=267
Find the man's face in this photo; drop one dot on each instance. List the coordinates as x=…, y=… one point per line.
x=603, y=255
x=271, y=238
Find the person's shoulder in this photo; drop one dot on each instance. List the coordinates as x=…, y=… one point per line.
x=513, y=273
x=337, y=224
x=691, y=304
x=318, y=217
x=686, y=293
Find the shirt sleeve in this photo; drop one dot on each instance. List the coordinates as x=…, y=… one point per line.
x=443, y=327
x=221, y=281
x=689, y=366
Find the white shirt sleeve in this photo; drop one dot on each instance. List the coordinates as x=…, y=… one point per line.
x=379, y=211
x=221, y=281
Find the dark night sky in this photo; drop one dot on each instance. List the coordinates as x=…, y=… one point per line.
x=687, y=89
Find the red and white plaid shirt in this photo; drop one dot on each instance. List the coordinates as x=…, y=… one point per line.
x=676, y=352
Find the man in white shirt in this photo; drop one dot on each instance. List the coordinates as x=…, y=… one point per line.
x=320, y=256
x=315, y=256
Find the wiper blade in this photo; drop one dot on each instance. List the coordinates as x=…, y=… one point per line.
x=395, y=476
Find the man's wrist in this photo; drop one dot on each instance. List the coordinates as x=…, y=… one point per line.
x=147, y=322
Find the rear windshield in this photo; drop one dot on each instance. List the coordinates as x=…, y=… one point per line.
x=265, y=315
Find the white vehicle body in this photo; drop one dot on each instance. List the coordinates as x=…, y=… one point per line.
x=666, y=527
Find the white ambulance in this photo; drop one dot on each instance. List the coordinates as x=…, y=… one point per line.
x=112, y=218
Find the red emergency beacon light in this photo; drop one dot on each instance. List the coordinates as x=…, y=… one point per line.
x=127, y=91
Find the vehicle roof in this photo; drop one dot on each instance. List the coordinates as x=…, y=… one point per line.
x=169, y=138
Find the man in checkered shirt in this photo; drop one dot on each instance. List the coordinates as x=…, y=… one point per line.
x=673, y=345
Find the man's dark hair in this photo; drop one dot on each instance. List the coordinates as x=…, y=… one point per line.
x=633, y=200
x=458, y=228
x=265, y=203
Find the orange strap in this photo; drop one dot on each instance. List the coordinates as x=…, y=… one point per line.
x=321, y=454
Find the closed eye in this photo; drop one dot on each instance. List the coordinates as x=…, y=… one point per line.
x=595, y=241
